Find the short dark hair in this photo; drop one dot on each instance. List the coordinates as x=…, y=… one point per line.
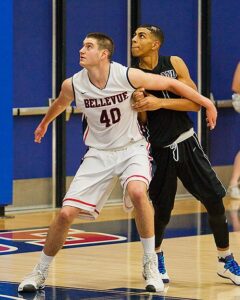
x=104, y=42
x=156, y=31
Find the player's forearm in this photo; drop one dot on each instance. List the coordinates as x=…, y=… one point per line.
x=54, y=110
x=142, y=117
x=179, y=104
x=189, y=93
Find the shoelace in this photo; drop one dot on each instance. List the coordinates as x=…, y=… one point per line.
x=161, y=264
x=233, y=266
x=150, y=270
x=37, y=274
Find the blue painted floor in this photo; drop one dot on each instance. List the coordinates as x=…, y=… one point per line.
x=9, y=291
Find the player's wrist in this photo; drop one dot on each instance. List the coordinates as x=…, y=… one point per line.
x=208, y=104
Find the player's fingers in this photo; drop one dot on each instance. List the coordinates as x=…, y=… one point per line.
x=37, y=137
x=140, y=90
x=37, y=140
x=138, y=106
x=210, y=124
x=139, y=95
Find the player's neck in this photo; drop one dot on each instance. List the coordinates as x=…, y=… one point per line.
x=99, y=75
x=148, y=62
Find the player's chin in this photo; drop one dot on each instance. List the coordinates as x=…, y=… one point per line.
x=135, y=52
x=81, y=63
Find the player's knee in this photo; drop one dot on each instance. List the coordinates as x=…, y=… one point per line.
x=137, y=193
x=161, y=219
x=217, y=218
x=215, y=210
x=67, y=215
x=216, y=213
x=162, y=213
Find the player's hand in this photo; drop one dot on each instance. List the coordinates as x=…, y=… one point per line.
x=138, y=95
x=211, y=113
x=147, y=104
x=39, y=133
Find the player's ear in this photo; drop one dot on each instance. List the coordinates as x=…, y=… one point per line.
x=156, y=45
x=105, y=54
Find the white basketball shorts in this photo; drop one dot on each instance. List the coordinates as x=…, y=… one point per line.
x=99, y=172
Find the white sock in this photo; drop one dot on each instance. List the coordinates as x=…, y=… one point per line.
x=148, y=245
x=45, y=261
x=224, y=253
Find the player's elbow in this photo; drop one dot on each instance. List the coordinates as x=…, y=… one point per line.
x=197, y=107
x=172, y=85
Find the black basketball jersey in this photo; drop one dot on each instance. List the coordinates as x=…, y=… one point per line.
x=165, y=125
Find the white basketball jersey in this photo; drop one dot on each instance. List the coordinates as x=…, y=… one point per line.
x=111, y=121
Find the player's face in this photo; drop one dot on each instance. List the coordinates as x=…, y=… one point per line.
x=89, y=54
x=142, y=42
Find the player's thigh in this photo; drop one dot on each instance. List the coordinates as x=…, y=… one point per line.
x=93, y=180
x=197, y=174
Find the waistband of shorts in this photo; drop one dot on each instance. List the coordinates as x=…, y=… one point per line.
x=132, y=143
x=182, y=137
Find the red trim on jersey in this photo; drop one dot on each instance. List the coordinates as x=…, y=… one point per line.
x=136, y=176
x=149, y=158
x=85, y=134
x=148, y=146
x=76, y=200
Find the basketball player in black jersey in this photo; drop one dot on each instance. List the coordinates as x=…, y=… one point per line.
x=177, y=151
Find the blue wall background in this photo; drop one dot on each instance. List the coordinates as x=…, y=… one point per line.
x=178, y=18
x=32, y=29
x=6, y=121
x=225, y=139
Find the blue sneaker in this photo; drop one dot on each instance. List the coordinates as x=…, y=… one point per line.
x=161, y=267
x=229, y=268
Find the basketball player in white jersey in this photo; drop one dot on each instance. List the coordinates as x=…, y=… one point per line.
x=117, y=149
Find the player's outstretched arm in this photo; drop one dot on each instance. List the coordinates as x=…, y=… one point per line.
x=150, y=102
x=64, y=99
x=157, y=82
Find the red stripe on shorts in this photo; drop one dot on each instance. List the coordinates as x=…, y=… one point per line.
x=136, y=176
x=76, y=200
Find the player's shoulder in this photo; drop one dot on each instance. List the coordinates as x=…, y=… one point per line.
x=116, y=65
x=79, y=75
x=118, y=70
x=67, y=82
x=175, y=60
x=82, y=71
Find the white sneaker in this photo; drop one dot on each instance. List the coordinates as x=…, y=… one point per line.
x=151, y=274
x=228, y=268
x=234, y=192
x=33, y=281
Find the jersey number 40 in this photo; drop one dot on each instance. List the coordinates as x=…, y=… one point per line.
x=110, y=117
